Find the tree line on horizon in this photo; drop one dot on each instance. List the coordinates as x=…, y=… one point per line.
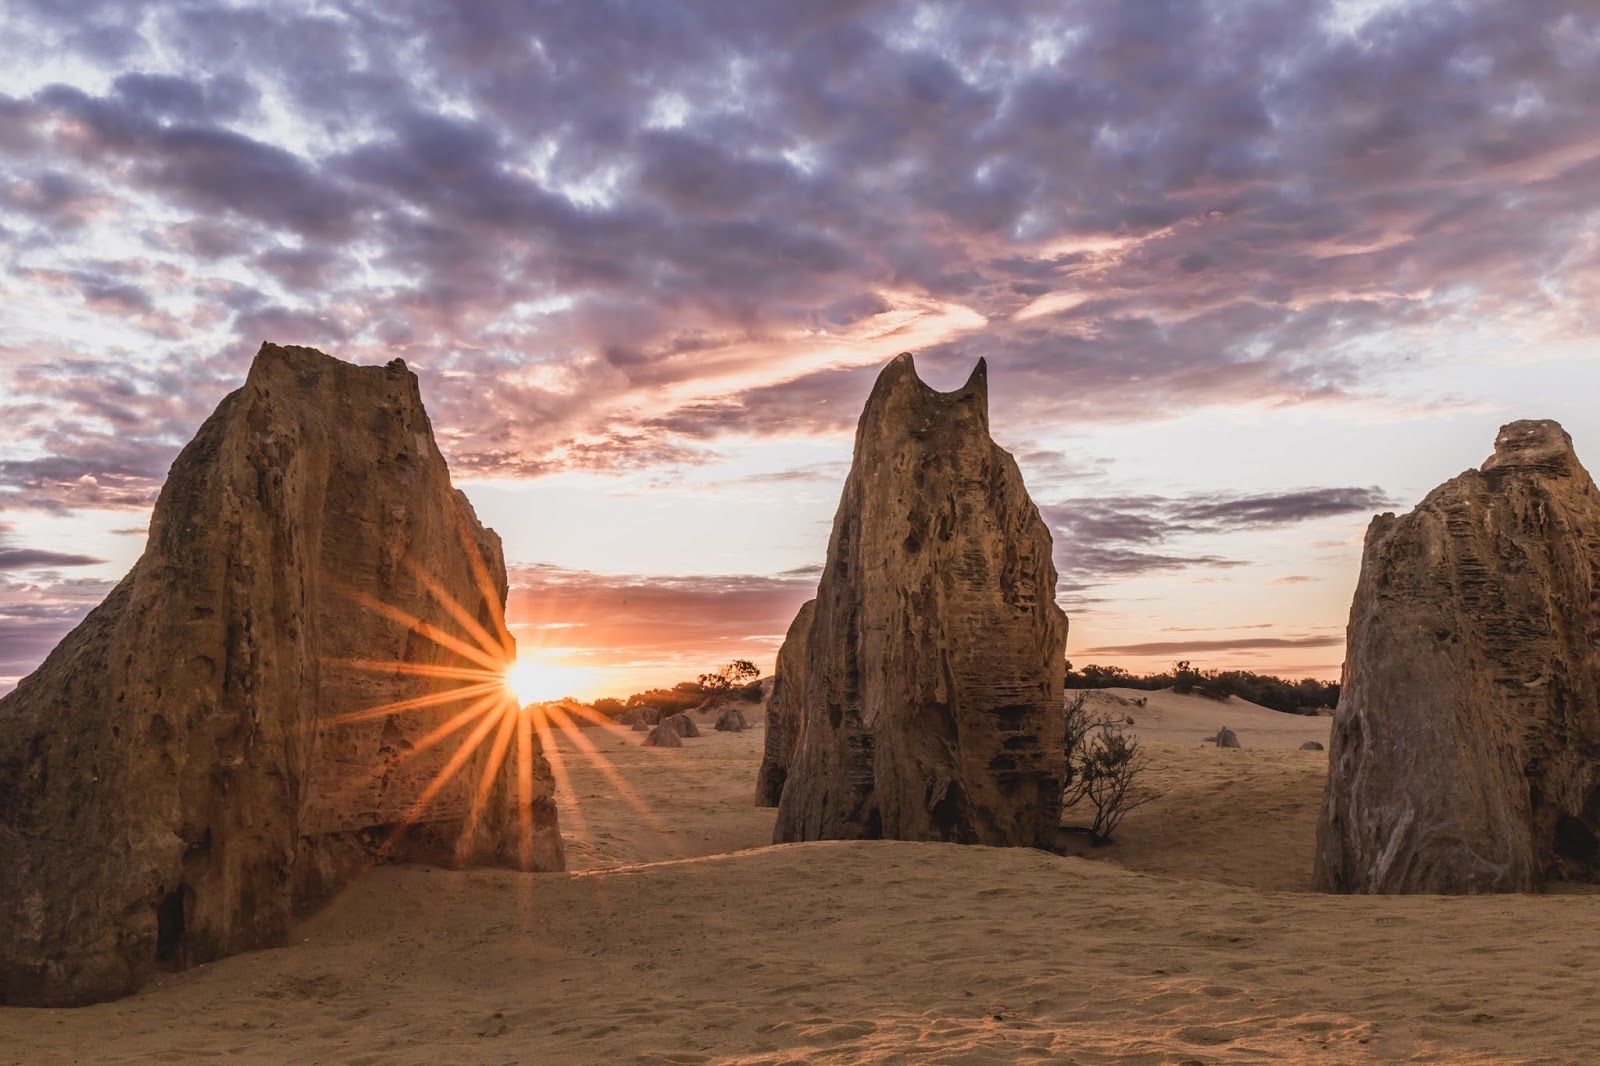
x=740, y=679
x=1305, y=696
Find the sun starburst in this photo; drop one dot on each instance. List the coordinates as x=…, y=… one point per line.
x=488, y=702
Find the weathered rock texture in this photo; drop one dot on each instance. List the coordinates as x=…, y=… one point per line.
x=663, y=735
x=1466, y=745
x=783, y=708
x=174, y=782
x=731, y=720
x=932, y=704
x=682, y=724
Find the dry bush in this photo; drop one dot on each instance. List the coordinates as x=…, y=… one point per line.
x=1104, y=771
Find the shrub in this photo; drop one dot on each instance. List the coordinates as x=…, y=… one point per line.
x=1110, y=772
x=1185, y=678
x=1104, y=768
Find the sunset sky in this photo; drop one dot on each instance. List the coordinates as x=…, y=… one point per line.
x=1245, y=274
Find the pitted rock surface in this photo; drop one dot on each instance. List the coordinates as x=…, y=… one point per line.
x=932, y=705
x=1466, y=746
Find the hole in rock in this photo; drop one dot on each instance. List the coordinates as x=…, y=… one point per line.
x=1011, y=719
x=170, y=913
x=946, y=814
x=1575, y=841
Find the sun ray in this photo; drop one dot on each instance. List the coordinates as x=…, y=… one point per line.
x=491, y=769
x=598, y=759
x=421, y=628
x=672, y=765
x=422, y=744
x=602, y=721
x=432, y=699
x=486, y=587
x=484, y=706
x=493, y=722
x=393, y=666
x=488, y=644
x=558, y=768
x=525, y=789
x=452, y=766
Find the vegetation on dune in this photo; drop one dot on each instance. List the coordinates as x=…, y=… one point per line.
x=1105, y=771
x=1305, y=696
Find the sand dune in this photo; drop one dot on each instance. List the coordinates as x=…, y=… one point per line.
x=1163, y=948
x=1242, y=816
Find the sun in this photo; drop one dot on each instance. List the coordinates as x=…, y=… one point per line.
x=532, y=679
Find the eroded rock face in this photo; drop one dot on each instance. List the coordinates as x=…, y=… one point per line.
x=932, y=702
x=731, y=720
x=783, y=708
x=1466, y=746
x=184, y=771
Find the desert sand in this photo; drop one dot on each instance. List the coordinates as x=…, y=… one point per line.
x=683, y=937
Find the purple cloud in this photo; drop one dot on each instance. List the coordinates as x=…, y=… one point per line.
x=1151, y=207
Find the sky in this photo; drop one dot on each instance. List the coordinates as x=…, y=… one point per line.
x=1245, y=274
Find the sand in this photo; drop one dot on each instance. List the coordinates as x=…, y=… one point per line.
x=684, y=938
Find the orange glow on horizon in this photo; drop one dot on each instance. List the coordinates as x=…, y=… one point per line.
x=536, y=678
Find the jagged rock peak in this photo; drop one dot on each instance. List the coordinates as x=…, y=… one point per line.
x=1536, y=444
x=243, y=723
x=899, y=381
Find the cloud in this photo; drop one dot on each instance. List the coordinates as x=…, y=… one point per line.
x=614, y=238
x=659, y=226
x=1284, y=508
x=1179, y=647
x=36, y=558
x=36, y=611
x=1102, y=537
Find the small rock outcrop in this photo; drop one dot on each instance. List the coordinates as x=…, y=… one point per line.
x=783, y=708
x=731, y=720
x=1227, y=738
x=1465, y=754
x=639, y=726
x=1312, y=745
x=237, y=729
x=681, y=724
x=663, y=735
x=931, y=705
